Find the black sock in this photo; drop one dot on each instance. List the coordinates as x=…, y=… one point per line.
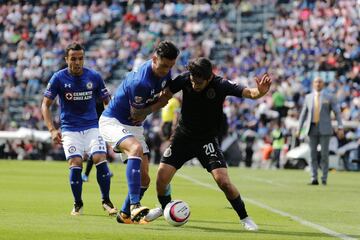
x=89, y=164
x=79, y=203
x=164, y=200
x=239, y=206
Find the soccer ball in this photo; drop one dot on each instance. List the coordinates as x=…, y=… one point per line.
x=177, y=213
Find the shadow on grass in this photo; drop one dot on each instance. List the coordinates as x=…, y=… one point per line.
x=97, y=215
x=309, y=235
x=215, y=222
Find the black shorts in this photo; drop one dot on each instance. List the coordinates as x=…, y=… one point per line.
x=183, y=148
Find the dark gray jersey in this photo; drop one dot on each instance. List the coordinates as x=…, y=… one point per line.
x=201, y=112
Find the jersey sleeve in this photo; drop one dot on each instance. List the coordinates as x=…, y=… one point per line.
x=102, y=93
x=52, y=89
x=232, y=89
x=138, y=94
x=178, y=83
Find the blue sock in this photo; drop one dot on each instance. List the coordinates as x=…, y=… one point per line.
x=126, y=206
x=103, y=179
x=76, y=182
x=133, y=178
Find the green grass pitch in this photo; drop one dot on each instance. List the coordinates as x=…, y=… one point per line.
x=35, y=203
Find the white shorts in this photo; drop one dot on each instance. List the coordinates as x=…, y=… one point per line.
x=115, y=132
x=89, y=141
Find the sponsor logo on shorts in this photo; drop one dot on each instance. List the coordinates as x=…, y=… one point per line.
x=167, y=152
x=72, y=149
x=125, y=131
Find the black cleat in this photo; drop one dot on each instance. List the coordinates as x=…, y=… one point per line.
x=314, y=182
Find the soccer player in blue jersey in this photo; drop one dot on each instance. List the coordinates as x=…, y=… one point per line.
x=139, y=91
x=77, y=88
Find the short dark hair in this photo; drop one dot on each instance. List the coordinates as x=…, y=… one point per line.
x=73, y=46
x=167, y=49
x=200, y=68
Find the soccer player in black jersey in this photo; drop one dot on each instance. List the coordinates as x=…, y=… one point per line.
x=196, y=135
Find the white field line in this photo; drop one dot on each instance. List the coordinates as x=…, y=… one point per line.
x=266, y=181
x=274, y=210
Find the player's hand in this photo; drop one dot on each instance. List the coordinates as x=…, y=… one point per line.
x=166, y=93
x=263, y=84
x=56, y=136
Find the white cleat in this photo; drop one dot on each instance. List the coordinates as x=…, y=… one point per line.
x=77, y=209
x=153, y=214
x=249, y=224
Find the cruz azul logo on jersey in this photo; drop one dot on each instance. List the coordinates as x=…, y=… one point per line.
x=89, y=85
x=78, y=96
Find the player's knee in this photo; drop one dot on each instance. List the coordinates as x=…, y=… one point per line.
x=98, y=157
x=135, y=150
x=75, y=162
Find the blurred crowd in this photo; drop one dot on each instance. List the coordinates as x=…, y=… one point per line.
x=300, y=40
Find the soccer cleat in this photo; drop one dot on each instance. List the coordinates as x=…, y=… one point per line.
x=109, y=207
x=154, y=214
x=78, y=209
x=314, y=182
x=123, y=218
x=138, y=212
x=85, y=178
x=249, y=224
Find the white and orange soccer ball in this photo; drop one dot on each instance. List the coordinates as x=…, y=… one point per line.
x=177, y=213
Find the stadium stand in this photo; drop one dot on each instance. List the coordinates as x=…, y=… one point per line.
x=293, y=40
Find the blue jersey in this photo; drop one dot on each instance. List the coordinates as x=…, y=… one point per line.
x=77, y=96
x=140, y=89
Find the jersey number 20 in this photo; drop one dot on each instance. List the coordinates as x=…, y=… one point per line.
x=209, y=148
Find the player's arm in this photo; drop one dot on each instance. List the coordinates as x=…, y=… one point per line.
x=106, y=101
x=45, y=110
x=102, y=91
x=139, y=114
x=263, y=86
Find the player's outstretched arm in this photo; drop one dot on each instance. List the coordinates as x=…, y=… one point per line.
x=45, y=110
x=263, y=86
